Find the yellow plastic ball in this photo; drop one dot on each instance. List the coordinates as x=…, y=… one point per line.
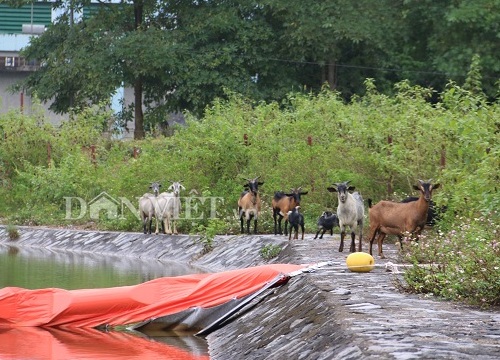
x=360, y=262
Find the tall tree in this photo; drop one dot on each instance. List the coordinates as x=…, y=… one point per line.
x=329, y=32
x=81, y=59
x=221, y=45
x=442, y=38
x=180, y=55
x=176, y=55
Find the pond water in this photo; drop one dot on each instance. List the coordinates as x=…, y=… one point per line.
x=38, y=268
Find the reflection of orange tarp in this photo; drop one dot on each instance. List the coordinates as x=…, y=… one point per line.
x=55, y=344
x=130, y=304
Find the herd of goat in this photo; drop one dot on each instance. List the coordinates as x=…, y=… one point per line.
x=164, y=207
x=386, y=217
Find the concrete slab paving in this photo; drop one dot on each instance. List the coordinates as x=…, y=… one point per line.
x=356, y=316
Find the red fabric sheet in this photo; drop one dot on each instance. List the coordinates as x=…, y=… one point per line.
x=131, y=304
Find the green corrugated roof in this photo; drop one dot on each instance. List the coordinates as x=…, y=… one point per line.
x=92, y=9
x=12, y=19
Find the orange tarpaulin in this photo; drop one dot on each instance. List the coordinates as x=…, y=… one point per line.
x=131, y=304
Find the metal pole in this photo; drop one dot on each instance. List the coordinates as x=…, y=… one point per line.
x=31, y=18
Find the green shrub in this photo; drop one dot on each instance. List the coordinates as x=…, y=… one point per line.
x=13, y=232
x=270, y=251
x=214, y=227
x=211, y=157
x=465, y=262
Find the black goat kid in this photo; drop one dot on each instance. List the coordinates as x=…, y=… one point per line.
x=326, y=222
x=296, y=219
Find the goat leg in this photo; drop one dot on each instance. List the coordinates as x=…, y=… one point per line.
x=380, y=239
x=241, y=221
x=400, y=238
x=275, y=223
x=373, y=235
x=353, y=242
x=168, y=222
x=342, y=235
x=360, y=245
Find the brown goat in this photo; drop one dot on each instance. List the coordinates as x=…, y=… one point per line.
x=391, y=218
x=283, y=203
x=249, y=204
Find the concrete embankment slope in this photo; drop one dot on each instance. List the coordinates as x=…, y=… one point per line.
x=327, y=314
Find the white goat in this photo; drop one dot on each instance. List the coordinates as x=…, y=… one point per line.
x=350, y=212
x=168, y=207
x=147, y=207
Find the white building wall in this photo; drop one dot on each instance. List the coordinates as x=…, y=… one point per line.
x=10, y=101
x=10, y=45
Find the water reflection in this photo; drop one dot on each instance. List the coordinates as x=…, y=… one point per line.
x=62, y=344
x=41, y=268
